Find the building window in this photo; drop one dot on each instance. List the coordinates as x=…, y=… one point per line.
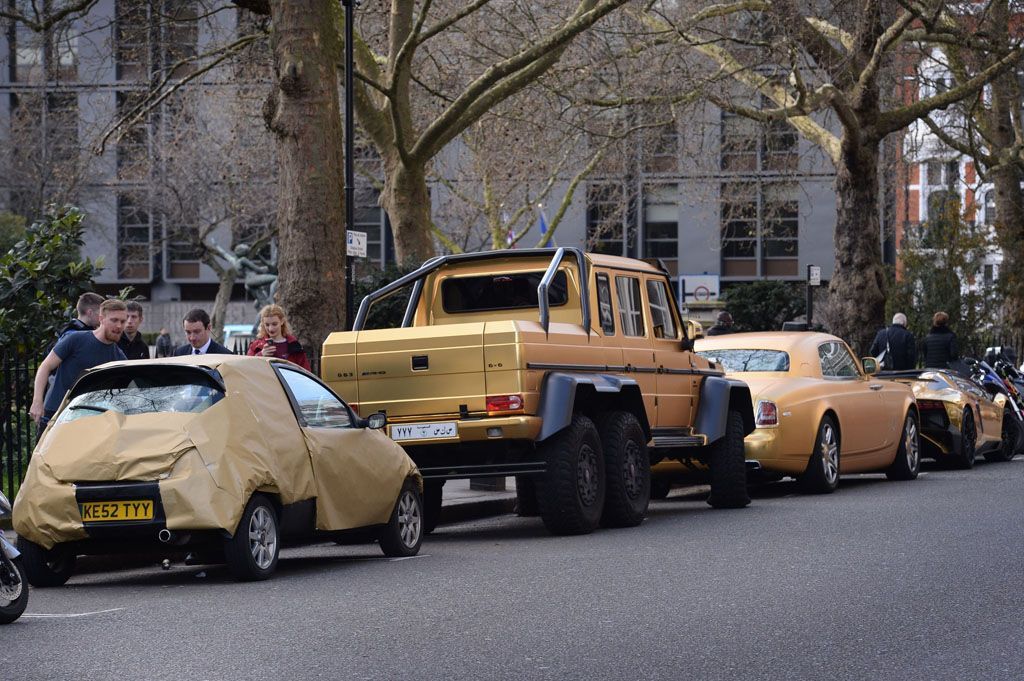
x=47, y=56
x=751, y=146
x=133, y=146
x=661, y=225
x=164, y=31
x=134, y=238
x=131, y=40
x=662, y=155
x=988, y=274
x=606, y=218
x=760, y=229
x=371, y=218
x=182, y=252
x=990, y=207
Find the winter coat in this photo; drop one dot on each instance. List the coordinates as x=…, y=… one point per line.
x=295, y=352
x=940, y=347
x=720, y=330
x=902, y=348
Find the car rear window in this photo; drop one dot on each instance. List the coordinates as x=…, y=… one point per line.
x=500, y=292
x=143, y=390
x=749, y=360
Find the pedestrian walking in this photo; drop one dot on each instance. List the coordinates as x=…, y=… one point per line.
x=131, y=343
x=197, y=331
x=164, y=344
x=723, y=326
x=940, y=345
x=75, y=352
x=895, y=346
x=274, y=338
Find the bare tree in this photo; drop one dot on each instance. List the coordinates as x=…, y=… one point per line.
x=806, y=64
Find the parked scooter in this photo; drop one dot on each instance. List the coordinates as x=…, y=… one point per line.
x=13, y=582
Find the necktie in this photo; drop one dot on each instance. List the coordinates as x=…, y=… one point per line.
x=195, y=351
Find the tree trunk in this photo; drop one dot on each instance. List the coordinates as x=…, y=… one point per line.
x=857, y=289
x=406, y=199
x=220, y=303
x=302, y=111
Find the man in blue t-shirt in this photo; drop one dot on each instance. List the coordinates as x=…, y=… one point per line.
x=74, y=353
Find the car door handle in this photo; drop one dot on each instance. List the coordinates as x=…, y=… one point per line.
x=875, y=386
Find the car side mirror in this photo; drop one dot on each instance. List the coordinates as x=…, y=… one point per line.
x=870, y=365
x=686, y=345
x=377, y=420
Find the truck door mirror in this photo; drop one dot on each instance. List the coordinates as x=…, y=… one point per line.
x=686, y=345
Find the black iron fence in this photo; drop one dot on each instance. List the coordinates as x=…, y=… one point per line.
x=17, y=430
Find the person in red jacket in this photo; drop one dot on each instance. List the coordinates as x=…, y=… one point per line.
x=274, y=339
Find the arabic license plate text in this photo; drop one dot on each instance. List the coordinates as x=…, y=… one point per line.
x=424, y=431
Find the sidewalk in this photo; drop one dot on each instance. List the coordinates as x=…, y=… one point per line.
x=461, y=503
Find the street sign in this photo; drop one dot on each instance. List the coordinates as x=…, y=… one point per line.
x=813, y=275
x=355, y=244
x=698, y=288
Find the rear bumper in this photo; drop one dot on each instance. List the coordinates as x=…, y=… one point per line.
x=481, y=429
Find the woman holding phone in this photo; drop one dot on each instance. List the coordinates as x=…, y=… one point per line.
x=274, y=338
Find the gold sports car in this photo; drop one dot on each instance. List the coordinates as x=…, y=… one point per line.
x=818, y=413
x=959, y=420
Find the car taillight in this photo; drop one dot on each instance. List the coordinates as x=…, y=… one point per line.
x=930, y=404
x=504, y=403
x=767, y=413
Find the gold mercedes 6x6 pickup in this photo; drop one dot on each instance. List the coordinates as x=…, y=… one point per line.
x=571, y=371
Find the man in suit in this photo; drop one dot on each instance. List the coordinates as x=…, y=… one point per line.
x=197, y=331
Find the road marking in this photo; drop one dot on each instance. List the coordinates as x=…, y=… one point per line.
x=419, y=555
x=70, y=615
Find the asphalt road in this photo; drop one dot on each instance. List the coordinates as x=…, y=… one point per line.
x=882, y=580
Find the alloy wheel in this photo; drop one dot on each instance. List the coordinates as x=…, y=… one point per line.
x=262, y=537
x=910, y=443
x=829, y=453
x=410, y=520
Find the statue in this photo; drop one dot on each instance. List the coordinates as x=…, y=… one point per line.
x=259, y=276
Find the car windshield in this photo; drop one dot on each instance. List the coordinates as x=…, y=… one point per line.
x=153, y=390
x=749, y=360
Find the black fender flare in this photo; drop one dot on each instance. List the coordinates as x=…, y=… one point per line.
x=719, y=395
x=558, y=398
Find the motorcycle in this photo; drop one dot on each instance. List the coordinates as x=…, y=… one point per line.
x=13, y=582
x=999, y=382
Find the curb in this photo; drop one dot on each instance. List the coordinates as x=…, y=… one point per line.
x=473, y=510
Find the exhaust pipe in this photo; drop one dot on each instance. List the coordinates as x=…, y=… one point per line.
x=165, y=536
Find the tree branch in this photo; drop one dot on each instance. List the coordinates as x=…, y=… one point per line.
x=43, y=23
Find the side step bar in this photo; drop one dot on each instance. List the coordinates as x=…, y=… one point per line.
x=495, y=470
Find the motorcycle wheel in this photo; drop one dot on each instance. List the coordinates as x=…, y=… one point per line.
x=13, y=591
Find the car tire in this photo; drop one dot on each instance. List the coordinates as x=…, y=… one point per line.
x=46, y=567
x=728, y=466
x=403, y=534
x=433, y=494
x=968, y=449
x=1011, y=436
x=907, y=463
x=627, y=470
x=822, y=473
x=526, y=496
x=570, y=495
x=11, y=608
x=661, y=486
x=252, y=553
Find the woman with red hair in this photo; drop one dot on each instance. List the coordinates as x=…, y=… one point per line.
x=274, y=338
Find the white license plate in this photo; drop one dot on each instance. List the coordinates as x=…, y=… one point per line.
x=424, y=431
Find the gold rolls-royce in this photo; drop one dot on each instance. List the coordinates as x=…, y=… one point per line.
x=818, y=413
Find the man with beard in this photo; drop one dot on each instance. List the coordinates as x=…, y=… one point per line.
x=74, y=353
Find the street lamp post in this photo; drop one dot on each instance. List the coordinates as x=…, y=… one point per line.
x=349, y=165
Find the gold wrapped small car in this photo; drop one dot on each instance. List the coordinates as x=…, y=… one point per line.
x=213, y=454
x=817, y=412
x=959, y=420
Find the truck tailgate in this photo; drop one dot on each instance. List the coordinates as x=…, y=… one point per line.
x=410, y=371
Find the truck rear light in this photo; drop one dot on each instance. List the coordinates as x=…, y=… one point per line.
x=504, y=403
x=767, y=414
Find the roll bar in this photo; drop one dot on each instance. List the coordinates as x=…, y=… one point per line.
x=418, y=276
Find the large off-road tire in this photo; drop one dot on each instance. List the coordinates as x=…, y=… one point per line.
x=964, y=458
x=252, y=553
x=432, y=497
x=13, y=591
x=728, y=466
x=45, y=568
x=1011, y=439
x=627, y=470
x=907, y=463
x=570, y=495
x=822, y=473
x=526, y=496
x=403, y=534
